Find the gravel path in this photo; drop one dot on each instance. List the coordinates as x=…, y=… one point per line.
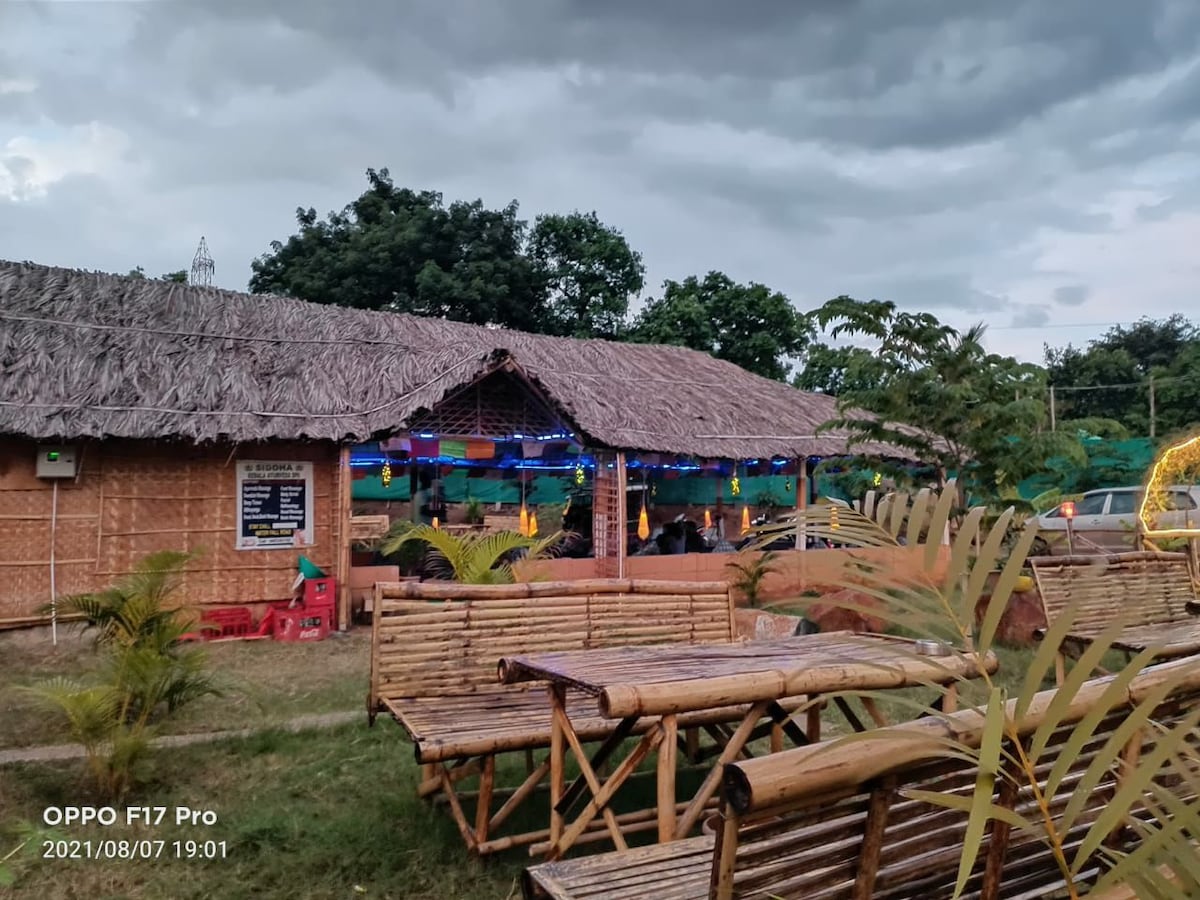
x=74, y=751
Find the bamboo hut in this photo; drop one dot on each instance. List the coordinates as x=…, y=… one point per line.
x=165, y=394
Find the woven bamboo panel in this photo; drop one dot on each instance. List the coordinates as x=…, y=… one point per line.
x=132, y=499
x=422, y=648
x=1132, y=588
x=497, y=407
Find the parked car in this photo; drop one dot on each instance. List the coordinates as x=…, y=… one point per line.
x=1106, y=519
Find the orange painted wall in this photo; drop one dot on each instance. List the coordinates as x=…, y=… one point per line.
x=798, y=570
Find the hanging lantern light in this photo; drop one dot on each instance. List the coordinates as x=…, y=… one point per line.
x=437, y=525
x=523, y=520
x=745, y=519
x=580, y=475
x=533, y=526
x=878, y=479
x=643, y=530
x=833, y=517
x=707, y=520
x=787, y=485
x=735, y=485
x=385, y=474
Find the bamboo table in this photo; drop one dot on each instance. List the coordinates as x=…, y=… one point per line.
x=673, y=685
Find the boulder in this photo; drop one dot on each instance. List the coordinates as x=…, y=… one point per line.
x=1022, y=616
x=848, y=610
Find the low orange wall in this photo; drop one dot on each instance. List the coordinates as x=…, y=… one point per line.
x=796, y=570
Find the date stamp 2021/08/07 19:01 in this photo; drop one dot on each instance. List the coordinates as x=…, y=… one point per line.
x=142, y=843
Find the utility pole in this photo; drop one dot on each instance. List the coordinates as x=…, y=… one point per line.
x=1152, y=413
x=1053, y=414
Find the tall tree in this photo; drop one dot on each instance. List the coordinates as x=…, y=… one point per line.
x=747, y=324
x=1111, y=377
x=588, y=271
x=405, y=251
x=179, y=277
x=942, y=396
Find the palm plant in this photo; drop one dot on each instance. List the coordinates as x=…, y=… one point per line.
x=472, y=558
x=137, y=609
x=146, y=672
x=1012, y=740
x=748, y=576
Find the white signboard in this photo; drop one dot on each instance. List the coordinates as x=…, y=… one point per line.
x=274, y=504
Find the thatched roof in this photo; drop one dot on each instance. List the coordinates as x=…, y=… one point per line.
x=91, y=355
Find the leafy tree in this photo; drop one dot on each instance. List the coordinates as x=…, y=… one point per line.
x=178, y=277
x=588, y=273
x=835, y=370
x=943, y=397
x=405, y=251
x=1167, y=350
x=749, y=325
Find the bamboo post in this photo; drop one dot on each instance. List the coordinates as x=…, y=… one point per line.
x=342, y=531
x=558, y=778
x=667, y=751
x=801, y=503
x=622, y=515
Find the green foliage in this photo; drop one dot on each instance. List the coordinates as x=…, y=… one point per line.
x=179, y=277
x=1010, y=744
x=474, y=511
x=472, y=558
x=1167, y=350
x=588, y=273
x=748, y=576
x=407, y=251
x=939, y=394
x=748, y=325
x=146, y=672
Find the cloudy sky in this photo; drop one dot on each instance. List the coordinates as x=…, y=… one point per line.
x=1028, y=163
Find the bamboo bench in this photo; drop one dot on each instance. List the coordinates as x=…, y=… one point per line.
x=1152, y=596
x=434, y=651
x=832, y=820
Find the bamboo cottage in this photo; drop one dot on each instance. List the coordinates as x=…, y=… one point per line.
x=139, y=415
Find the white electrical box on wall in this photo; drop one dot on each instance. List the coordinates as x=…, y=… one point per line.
x=55, y=461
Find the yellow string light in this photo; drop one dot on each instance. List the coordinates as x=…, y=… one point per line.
x=1172, y=464
x=833, y=517
x=735, y=485
x=385, y=474
x=580, y=475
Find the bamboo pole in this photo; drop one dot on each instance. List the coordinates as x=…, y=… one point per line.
x=772, y=781
x=620, y=700
x=342, y=530
x=667, y=755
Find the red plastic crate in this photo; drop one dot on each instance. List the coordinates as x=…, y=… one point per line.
x=308, y=622
x=318, y=591
x=230, y=622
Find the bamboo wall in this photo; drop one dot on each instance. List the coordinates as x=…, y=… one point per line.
x=134, y=498
x=797, y=570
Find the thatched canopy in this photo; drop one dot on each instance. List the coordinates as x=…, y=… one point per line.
x=91, y=355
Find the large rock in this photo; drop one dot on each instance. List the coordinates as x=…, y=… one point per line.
x=756, y=625
x=1022, y=616
x=848, y=610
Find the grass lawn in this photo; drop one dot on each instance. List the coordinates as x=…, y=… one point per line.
x=266, y=682
x=322, y=814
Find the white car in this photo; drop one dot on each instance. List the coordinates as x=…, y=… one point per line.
x=1106, y=519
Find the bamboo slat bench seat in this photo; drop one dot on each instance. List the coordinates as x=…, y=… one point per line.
x=834, y=821
x=434, y=652
x=1151, y=595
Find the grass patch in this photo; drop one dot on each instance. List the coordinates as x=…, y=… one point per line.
x=266, y=682
x=319, y=814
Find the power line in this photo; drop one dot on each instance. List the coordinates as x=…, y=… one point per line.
x=1166, y=379
x=1059, y=325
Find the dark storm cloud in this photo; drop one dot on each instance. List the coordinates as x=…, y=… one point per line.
x=968, y=158
x=1071, y=294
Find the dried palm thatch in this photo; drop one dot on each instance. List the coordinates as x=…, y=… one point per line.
x=92, y=355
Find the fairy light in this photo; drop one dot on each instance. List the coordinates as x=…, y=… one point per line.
x=1172, y=463
x=580, y=475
